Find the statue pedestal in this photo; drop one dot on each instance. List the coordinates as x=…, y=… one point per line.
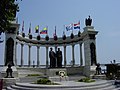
x=9, y=81
x=89, y=71
x=53, y=74
x=102, y=76
x=92, y=70
x=54, y=71
x=14, y=73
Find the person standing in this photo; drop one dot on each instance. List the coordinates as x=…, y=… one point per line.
x=52, y=58
x=59, y=58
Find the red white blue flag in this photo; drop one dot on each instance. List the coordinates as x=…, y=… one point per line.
x=76, y=25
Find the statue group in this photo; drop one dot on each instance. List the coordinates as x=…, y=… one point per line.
x=55, y=58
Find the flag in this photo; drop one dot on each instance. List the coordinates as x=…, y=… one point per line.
x=54, y=32
x=44, y=31
x=77, y=25
x=23, y=26
x=29, y=29
x=69, y=27
x=37, y=29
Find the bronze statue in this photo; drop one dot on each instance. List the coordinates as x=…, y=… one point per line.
x=98, y=69
x=9, y=71
x=88, y=21
x=59, y=58
x=52, y=58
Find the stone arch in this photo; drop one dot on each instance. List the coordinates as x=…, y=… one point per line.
x=9, y=51
x=93, y=54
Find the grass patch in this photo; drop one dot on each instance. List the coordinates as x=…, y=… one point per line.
x=86, y=80
x=33, y=75
x=46, y=82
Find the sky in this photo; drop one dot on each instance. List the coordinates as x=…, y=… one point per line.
x=104, y=13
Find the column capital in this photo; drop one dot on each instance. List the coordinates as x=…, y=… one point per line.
x=38, y=46
x=29, y=46
x=22, y=44
x=64, y=45
x=73, y=45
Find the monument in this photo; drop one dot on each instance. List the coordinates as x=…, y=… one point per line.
x=89, y=40
x=87, y=37
x=9, y=72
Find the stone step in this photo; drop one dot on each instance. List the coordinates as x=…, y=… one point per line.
x=66, y=85
x=57, y=78
x=22, y=88
x=10, y=88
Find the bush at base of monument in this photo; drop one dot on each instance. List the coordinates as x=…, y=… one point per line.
x=46, y=82
x=87, y=80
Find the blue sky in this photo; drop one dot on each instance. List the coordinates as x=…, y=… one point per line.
x=51, y=13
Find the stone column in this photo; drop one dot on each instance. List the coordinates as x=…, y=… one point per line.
x=29, y=55
x=10, y=44
x=55, y=49
x=22, y=54
x=65, y=56
x=16, y=54
x=38, y=62
x=89, y=41
x=81, y=58
x=46, y=56
x=73, y=58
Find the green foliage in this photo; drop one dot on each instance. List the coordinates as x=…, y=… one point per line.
x=8, y=10
x=46, y=81
x=33, y=75
x=87, y=80
x=43, y=81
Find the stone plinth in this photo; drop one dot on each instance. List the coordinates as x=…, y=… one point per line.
x=102, y=76
x=89, y=71
x=92, y=70
x=14, y=73
x=54, y=71
x=9, y=81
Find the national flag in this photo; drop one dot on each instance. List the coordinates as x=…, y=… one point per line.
x=44, y=31
x=23, y=26
x=77, y=25
x=69, y=27
x=29, y=29
x=37, y=29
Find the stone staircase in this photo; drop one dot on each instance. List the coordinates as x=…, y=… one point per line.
x=66, y=85
x=25, y=71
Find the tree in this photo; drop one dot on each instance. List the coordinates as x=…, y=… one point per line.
x=8, y=10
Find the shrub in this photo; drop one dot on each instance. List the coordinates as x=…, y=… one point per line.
x=87, y=80
x=33, y=75
x=46, y=81
x=43, y=81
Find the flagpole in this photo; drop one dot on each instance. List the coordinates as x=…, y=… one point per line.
x=79, y=23
x=47, y=29
x=23, y=26
x=38, y=29
x=64, y=29
x=54, y=34
x=30, y=27
x=72, y=27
